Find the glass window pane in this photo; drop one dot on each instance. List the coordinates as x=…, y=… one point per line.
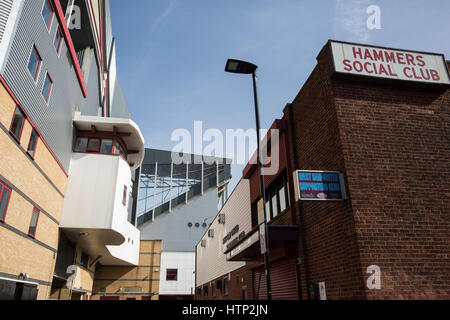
x=33, y=222
x=33, y=64
x=47, y=13
x=117, y=151
x=47, y=87
x=58, y=39
x=94, y=145
x=33, y=141
x=274, y=206
x=268, y=211
x=18, y=121
x=282, y=197
x=3, y=201
x=81, y=144
x=106, y=147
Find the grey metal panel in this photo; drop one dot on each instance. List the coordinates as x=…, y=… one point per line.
x=108, y=28
x=119, y=107
x=92, y=102
x=5, y=10
x=172, y=228
x=54, y=120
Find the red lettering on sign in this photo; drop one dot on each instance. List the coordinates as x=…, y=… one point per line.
x=383, y=70
x=416, y=76
x=406, y=74
x=400, y=57
x=410, y=59
x=378, y=55
x=358, y=66
x=357, y=51
x=366, y=68
x=367, y=55
x=421, y=62
x=392, y=73
x=426, y=76
x=435, y=75
x=347, y=65
x=390, y=57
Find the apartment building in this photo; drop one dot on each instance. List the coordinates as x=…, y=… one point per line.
x=68, y=150
x=358, y=207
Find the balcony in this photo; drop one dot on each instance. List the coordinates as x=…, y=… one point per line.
x=95, y=211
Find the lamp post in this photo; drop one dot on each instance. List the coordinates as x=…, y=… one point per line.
x=243, y=67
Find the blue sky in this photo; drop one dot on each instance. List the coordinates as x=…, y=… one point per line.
x=171, y=54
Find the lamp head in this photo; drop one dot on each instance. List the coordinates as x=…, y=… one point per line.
x=238, y=66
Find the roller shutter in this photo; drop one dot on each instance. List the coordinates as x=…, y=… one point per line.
x=283, y=278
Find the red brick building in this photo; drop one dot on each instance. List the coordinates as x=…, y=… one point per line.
x=381, y=118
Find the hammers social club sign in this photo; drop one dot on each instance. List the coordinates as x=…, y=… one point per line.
x=389, y=63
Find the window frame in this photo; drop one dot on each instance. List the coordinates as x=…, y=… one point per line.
x=35, y=51
x=115, y=140
x=35, y=210
x=33, y=155
x=213, y=290
x=47, y=76
x=23, y=123
x=3, y=186
x=52, y=13
x=169, y=273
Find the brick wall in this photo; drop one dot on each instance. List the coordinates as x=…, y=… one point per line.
x=240, y=279
x=392, y=143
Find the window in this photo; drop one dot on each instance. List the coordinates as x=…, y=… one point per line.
x=58, y=40
x=199, y=293
x=47, y=13
x=5, y=193
x=277, y=199
x=172, y=275
x=106, y=146
x=33, y=223
x=32, y=144
x=225, y=286
x=124, y=196
x=84, y=261
x=47, y=88
x=213, y=290
x=17, y=123
x=34, y=63
x=205, y=292
x=93, y=145
x=81, y=144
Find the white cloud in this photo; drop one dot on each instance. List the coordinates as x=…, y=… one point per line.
x=350, y=20
x=163, y=15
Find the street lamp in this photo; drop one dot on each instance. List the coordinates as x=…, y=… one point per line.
x=243, y=67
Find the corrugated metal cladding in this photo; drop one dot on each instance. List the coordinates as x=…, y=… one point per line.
x=108, y=29
x=283, y=279
x=54, y=120
x=5, y=10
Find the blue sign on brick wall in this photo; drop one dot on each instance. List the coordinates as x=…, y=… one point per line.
x=320, y=185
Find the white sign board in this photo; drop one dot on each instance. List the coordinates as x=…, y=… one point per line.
x=389, y=63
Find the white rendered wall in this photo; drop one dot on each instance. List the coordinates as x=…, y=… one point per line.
x=211, y=262
x=93, y=200
x=185, y=263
